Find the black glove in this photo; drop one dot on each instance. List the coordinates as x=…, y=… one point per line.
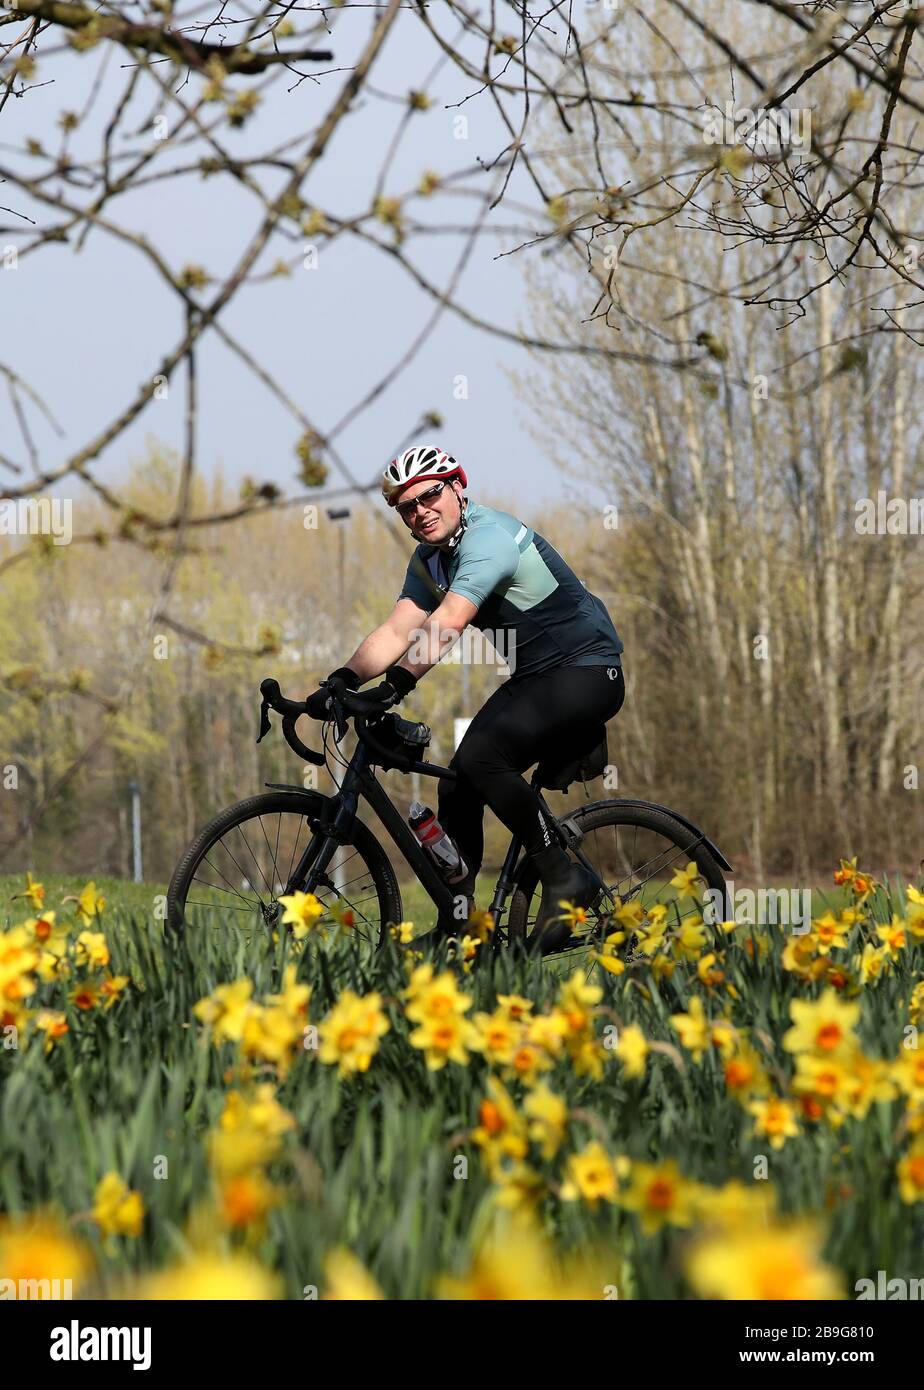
x=340, y=680
x=396, y=684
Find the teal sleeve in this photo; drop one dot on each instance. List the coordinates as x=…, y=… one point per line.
x=416, y=590
x=489, y=556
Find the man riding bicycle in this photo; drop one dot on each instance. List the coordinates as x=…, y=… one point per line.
x=476, y=565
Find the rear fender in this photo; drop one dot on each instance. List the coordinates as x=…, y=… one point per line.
x=712, y=847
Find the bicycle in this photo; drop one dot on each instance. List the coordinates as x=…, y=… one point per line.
x=610, y=829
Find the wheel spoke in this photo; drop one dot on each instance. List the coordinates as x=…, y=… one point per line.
x=349, y=883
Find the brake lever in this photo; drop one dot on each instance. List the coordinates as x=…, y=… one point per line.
x=265, y=725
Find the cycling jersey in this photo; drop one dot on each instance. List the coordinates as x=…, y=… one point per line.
x=522, y=587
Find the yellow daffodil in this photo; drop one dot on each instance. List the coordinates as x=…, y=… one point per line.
x=736, y=1205
x=245, y=1200
x=273, y=1034
x=211, y=1278
x=632, y=1050
x=744, y=1072
x=302, y=911
x=527, y=1063
x=685, y=881
x=53, y=1023
x=225, y=1010
x=515, y=1005
x=693, y=1028
x=799, y=955
x=92, y=950
x=828, y=933
x=869, y=1079
x=85, y=996
x=39, y=1246
x=908, y=1073
x=402, y=932
x=690, y=938
x=825, y=1078
x=293, y=998
x=872, y=963
x=630, y=914
x=117, y=1209
x=111, y=988
x=469, y=947
x=549, y=1031
x=548, y=1116
x=824, y=1028
x=346, y=1279
x=893, y=936
x=916, y=1003
x=433, y=999
x=42, y=929
x=911, y=1174
x=660, y=1195
x=608, y=956
x=782, y=1262
x=496, y=1036
x=480, y=925
x=775, y=1120
x=249, y=1134
x=515, y=1264
x=351, y=1032
x=577, y=1000
x=591, y=1175
x=518, y=1189
x=662, y=968
x=89, y=904
x=35, y=892
x=588, y=1056
x=443, y=1039
x=709, y=972
x=501, y=1131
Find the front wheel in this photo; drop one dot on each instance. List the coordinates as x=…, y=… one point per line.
x=237, y=868
x=636, y=850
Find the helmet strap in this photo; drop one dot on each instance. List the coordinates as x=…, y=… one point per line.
x=452, y=541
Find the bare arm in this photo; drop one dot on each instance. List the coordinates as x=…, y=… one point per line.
x=383, y=647
x=437, y=633
x=429, y=637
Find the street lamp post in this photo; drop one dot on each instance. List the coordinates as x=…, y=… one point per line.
x=339, y=514
x=135, y=792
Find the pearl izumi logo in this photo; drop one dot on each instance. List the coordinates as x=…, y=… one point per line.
x=76, y=1343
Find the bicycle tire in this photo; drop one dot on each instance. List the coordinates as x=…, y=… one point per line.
x=304, y=803
x=606, y=814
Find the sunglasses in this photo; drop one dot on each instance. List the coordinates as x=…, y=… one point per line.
x=407, y=509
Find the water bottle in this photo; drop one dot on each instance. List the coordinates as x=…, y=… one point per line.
x=437, y=843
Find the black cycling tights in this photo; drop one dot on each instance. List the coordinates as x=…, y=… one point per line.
x=549, y=715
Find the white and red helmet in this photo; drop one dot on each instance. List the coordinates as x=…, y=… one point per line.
x=421, y=461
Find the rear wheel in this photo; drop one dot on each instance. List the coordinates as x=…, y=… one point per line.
x=237, y=868
x=636, y=850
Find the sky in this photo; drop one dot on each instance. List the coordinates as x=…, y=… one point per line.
x=86, y=329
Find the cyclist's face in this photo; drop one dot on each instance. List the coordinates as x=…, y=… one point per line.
x=437, y=517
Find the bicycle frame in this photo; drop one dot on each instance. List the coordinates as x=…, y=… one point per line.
x=337, y=822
